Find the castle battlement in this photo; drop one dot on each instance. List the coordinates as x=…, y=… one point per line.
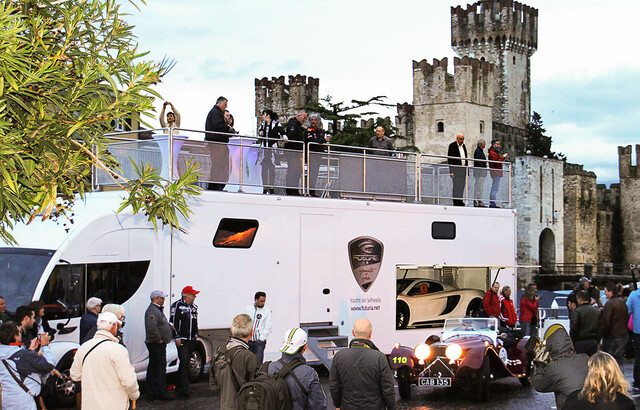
x=493, y=25
x=283, y=98
x=472, y=81
x=625, y=165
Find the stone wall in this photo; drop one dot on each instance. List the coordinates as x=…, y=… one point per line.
x=580, y=215
x=538, y=197
x=629, y=203
x=284, y=99
x=609, y=225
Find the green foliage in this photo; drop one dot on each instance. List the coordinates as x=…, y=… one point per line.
x=538, y=143
x=67, y=71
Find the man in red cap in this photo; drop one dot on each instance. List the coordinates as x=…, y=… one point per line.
x=184, y=319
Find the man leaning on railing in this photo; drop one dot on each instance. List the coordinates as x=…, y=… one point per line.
x=381, y=142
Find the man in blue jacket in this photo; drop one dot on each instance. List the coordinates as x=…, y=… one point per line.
x=304, y=384
x=633, y=306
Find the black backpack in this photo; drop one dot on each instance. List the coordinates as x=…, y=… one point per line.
x=269, y=391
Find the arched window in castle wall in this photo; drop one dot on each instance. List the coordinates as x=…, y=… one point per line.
x=440, y=126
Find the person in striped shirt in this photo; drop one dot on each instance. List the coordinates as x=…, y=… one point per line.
x=261, y=316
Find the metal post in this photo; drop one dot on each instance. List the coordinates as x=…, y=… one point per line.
x=94, y=173
x=328, y=184
x=417, y=185
x=364, y=172
x=241, y=181
x=170, y=150
x=306, y=169
x=510, y=169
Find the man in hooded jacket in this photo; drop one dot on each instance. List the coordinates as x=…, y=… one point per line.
x=566, y=371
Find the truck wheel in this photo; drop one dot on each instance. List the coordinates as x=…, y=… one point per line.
x=402, y=316
x=405, y=377
x=196, y=363
x=64, y=389
x=483, y=377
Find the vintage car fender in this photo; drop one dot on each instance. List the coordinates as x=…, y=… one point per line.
x=402, y=356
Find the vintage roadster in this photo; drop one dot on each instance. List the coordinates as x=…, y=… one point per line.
x=470, y=353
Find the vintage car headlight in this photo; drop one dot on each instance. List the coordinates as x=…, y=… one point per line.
x=453, y=352
x=422, y=351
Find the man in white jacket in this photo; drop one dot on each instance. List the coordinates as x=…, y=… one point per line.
x=103, y=366
x=261, y=316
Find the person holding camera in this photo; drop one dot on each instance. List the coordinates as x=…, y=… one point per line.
x=558, y=368
x=529, y=310
x=172, y=118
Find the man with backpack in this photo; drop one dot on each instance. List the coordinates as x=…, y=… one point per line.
x=302, y=381
x=233, y=365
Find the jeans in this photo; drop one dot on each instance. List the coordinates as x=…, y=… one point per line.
x=157, y=370
x=636, y=364
x=615, y=347
x=495, y=185
x=528, y=329
x=258, y=348
x=184, y=355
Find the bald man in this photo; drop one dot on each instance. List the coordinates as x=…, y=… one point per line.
x=360, y=376
x=457, y=155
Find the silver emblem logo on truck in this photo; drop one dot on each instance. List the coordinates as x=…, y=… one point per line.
x=365, y=255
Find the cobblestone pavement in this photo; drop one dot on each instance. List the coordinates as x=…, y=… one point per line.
x=505, y=394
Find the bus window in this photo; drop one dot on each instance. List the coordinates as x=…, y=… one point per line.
x=115, y=282
x=235, y=233
x=63, y=294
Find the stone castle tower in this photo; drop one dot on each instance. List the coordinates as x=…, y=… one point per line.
x=495, y=40
x=629, y=193
x=284, y=99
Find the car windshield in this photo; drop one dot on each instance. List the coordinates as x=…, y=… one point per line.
x=402, y=284
x=470, y=324
x=20, y=272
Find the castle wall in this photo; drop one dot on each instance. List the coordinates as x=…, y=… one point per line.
x=284, y=99
x=609, y=224
x=446, y=104
x=537, y=194
x=629, y=203
x=580, y=215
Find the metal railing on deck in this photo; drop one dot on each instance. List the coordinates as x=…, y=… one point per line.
x=257, y=165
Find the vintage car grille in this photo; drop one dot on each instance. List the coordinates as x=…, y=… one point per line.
x=439, y=367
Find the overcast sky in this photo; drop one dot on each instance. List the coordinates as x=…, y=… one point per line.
x=585, y=74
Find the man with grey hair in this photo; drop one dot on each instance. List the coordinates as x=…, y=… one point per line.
x=457, y=160
x=157, y=336
x=479, y=172
x=89, y=319
x=103, y=365
x=219, y=131
x=314, y=139
x=117, y=310
x=244, y=364
x=360, y=376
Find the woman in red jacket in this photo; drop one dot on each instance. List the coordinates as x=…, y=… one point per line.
x=508, y=316
x=529, y=310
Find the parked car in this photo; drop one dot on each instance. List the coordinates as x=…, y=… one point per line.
x=424, y=302
x=470, y=353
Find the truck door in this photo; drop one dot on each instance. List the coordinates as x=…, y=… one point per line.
x=316, y=268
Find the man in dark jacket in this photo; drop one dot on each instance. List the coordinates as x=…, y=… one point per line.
x=566, y=371
x=25, y=318
x=157, y=336
x=615, y=319
x=89, y=320
x=184, y=318
x=220, y=130
x=585, y=325
x=294, y=143
x=479, y=173
x=457, y=168
x=312, y=397
x=360, y=376
x=314, y=139
x=244, y=363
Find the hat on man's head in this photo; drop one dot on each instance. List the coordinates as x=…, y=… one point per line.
x=109, y=318
x=189, y=290
x=584, y=279
x=158, y=294
x=294, y=339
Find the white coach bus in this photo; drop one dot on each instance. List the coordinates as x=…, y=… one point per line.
x=323, y=262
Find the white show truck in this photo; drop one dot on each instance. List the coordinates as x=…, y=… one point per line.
x=322, y=262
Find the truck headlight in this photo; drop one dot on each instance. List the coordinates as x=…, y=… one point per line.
x=422, y=351
x=453, y=351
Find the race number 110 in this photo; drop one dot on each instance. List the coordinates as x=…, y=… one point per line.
x=400, y=359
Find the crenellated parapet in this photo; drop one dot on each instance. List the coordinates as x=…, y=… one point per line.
x=490, y=25
x=472, y=81
x=625, y=164
x=285, y=99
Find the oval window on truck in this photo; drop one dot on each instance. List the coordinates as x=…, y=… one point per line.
x=235, y=233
